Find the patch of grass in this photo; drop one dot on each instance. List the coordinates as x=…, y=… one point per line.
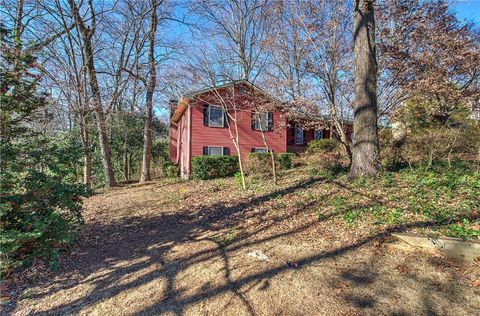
x=441, y=195
x=384, y=215
x=339, y=204
x=462, y=230
x=352, y=216
x=26, y=294
x=225, y=239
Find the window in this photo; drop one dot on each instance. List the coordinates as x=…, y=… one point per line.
x=216, y=116
x=262, y=121
x=298, y=136
x=318, y=134
x=216, y=151
x=242, y=91
x=259, y=150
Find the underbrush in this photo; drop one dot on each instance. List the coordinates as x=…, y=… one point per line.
x=39, y=221
x=446, y=200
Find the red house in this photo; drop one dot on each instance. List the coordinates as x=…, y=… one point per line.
x=203, y=123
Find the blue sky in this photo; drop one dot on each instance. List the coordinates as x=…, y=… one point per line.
x=467, y=10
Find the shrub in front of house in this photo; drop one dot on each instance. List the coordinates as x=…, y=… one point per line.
x=324, y=158
x=322, y=145
x=285, y=160
x=261, y=163
x=324, y=164
x=211, y=167
x=258, y=163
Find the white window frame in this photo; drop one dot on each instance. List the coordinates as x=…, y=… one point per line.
x=210, y=123
x=258, y=117
x=316, y=133
x=216, y=147
x=297, y=129
x=260, y=150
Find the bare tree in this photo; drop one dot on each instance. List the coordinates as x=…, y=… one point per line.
x=242, y=24
x=87, y=32
x=152, y=81
x=238, y=28
x=365, y=153
x=234, y=109
x=260, y=105
x=330, y=60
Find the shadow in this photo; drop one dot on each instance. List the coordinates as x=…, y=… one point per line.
x=149, y=247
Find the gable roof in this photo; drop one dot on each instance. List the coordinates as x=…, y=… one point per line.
x=185, y=99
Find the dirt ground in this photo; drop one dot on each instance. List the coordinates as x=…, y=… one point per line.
x=184, y=248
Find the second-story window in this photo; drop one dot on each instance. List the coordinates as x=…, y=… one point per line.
x=262, y=121
x=214, y=116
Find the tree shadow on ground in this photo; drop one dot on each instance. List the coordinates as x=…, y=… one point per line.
x=139, y=244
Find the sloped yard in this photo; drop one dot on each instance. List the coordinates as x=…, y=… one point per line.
x=185, y=248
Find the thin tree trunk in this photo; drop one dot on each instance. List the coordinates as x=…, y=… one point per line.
x=336, y=122
x=365, y=154
x=237, y=146
x=87, y=157
x=272, y=155
x=87, y=34
x=87, y=170
x=236, y=143
x=152, y=80
x=125, y=160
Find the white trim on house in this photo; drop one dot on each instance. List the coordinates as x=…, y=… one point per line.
x=260, y=150
x=212, y=123
x=263, y=116
x=215, y=148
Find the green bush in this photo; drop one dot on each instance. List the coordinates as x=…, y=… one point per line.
x=172, y=171
x=40, y=221
x=259, y=163
x=324, y=164
x=285, y=160
x=420, y=133
x=211, y=167
x=322, y=145
x=40, y=202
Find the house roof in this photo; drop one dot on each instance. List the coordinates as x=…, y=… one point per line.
x=228, y=84
x=184, y=101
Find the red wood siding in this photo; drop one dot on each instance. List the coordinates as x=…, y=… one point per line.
x=203, y=136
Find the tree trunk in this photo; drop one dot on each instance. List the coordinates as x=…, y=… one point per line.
x=343, y=138
x=272, y=155
x=152, y=80
x=365, y=154
x=336, y=121
x=126, y=169
x=87, y=157
x=87, y=170
x=87, y=34
x=100, y=118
